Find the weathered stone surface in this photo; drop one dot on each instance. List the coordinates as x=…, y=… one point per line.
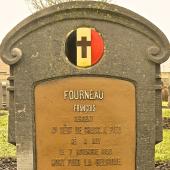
x=134, y=49
x=4, y=95
x=165, y=93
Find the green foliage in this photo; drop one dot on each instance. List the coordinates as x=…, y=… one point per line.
x=6, y=149
x=164, y=103
x=163, y=149
x=3, y=112
x=166, y=112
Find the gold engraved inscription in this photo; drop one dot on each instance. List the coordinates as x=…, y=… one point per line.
x=85, y=123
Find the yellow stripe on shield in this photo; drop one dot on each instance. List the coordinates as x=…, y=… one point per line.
x=83, y=47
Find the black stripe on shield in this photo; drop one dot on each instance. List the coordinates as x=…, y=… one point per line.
x=70, y=47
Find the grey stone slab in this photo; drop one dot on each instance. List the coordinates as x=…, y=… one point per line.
x=134, y=50
x=4, y=95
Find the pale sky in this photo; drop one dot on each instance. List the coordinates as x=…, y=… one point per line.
x=156, y=11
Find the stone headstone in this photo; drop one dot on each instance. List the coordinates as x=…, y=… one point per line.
x=4, y=95
x=165, y=93
x=1, y=107
x=169, y=96
x=85, y=88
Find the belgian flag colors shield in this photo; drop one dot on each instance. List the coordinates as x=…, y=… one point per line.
x=84, y=47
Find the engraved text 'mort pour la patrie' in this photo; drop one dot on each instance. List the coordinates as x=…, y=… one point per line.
x=83, y=94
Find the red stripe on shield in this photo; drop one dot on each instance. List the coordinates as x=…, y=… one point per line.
x=97, y=47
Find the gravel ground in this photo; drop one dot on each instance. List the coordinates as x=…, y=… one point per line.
x=162, y=165
x=8, y=164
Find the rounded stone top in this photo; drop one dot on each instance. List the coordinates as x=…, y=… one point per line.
x=102, y=11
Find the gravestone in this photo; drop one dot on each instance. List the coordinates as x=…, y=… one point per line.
x=85, y=88
x=165, y=93
x=169, y=97
x=4, y=96
x=1, y=107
